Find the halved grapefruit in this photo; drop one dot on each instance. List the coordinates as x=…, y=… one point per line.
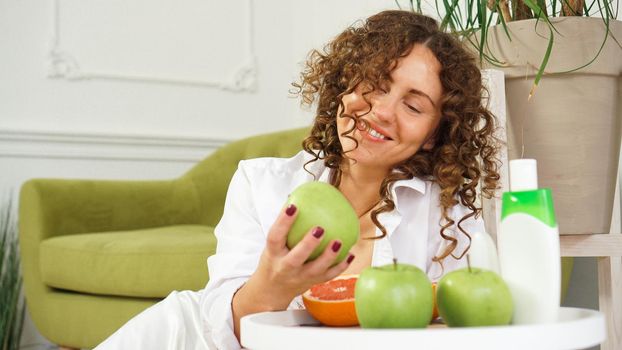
x=332, y=302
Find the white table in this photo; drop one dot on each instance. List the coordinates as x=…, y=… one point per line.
x=296, y=329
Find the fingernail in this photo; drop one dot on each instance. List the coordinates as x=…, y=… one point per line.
x=336, y=246
x=291, y=209
x=350, y=258
x=317, y=232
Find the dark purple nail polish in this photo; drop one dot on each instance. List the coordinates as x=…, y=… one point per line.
x=350, y=258
x=317, y=232
x=291, y=209
x=336, y=246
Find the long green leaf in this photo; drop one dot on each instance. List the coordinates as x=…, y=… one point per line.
x=469, y=13
x=538, y=12
x=505, y=27
x=449, y=15
x=588, y=12
x=545, y=61
x=483, y=27
x=488, y=23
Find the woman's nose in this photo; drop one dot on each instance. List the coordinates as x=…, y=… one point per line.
x=383, y=109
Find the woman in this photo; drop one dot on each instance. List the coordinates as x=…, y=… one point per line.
x=400, y=131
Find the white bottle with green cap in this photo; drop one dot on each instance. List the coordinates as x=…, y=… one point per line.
x=528, y=246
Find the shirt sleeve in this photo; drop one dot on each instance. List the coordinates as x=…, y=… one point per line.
x=241, y=241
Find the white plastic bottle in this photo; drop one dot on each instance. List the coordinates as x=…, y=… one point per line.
x=528, y=246
x=483, y=252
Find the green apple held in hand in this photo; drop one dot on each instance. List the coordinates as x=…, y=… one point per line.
x=471, y=297
x=393, y=296
x=320, y=204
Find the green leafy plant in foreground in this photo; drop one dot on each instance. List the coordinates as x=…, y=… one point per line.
x=12, y=307
x=472, y=19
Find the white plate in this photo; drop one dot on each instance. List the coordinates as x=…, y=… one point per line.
x=297, y=330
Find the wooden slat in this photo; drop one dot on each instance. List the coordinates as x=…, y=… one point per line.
x=609, y=301
x=600, y=245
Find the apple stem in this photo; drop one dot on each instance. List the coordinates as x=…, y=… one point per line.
x=469, y=262
x=394, y=263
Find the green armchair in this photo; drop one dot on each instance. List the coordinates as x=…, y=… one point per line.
x=96, y=253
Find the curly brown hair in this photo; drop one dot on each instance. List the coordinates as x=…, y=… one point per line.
x=465, y=150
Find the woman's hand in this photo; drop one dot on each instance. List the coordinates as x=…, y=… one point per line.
x=284, y=271
x=282, y=274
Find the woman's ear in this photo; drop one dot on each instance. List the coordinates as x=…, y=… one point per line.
x=431, y=141
x=429, y=144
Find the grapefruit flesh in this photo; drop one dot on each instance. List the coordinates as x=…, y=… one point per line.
x=332, y=302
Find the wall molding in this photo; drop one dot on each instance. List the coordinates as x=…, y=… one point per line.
x=64, y=65
x=101, y=146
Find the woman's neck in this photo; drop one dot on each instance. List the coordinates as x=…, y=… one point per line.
x=361, y=187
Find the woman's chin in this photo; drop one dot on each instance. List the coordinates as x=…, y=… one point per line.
x=372, y=161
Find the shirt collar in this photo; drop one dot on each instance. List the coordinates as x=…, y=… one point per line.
x=414, y=183
x=392, y=219
x=325, y=175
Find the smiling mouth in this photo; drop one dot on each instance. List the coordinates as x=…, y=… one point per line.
x=365, y=126
x=376, y=134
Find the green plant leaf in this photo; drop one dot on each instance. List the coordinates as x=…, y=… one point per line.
x=540, y=14
x=545, y=60
x=449, y=15
x=502, y=20
x=482, y=9
x=542, y=5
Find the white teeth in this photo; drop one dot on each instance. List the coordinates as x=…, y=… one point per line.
x=376, y=134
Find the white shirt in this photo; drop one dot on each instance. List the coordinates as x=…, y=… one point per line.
x=257, y=193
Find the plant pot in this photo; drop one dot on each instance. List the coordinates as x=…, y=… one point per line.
x=572, y=123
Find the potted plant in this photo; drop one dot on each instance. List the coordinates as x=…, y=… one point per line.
x=11, y=301
x=571, y=51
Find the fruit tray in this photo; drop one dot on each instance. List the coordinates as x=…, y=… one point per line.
x=296, y=329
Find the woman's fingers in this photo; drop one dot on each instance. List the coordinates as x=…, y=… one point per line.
x=319, y=266
x=339, y=268
x=300, y=253
x=277, y=236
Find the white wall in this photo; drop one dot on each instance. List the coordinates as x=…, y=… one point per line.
x=280, y=33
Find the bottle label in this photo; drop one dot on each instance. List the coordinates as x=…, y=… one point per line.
x=529, y=259
x=536, y=203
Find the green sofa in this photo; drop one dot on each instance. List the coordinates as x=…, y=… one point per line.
x=95, y=253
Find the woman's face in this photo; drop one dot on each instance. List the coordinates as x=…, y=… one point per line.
x=403, y=116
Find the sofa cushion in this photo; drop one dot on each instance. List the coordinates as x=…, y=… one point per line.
x=139, y=263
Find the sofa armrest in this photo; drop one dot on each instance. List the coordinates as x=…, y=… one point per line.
x=52, y=207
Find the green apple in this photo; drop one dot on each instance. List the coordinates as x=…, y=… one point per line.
x=471, y=297
x=320, y=204
x=393, y=296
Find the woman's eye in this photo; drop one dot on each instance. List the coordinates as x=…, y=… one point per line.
x=412, y=108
